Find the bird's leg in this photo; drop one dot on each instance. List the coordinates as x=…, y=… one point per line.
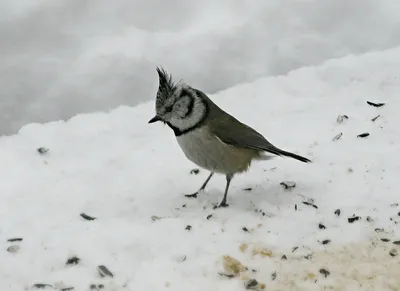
x=228, y=182
x=194, y=195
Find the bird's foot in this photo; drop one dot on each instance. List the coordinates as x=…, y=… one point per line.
x=192, y=196
x=223, y=204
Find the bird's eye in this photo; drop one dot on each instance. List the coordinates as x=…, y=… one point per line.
x=168, y=109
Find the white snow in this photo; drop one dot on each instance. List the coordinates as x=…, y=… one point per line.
x=61, y=57
x=121, y=170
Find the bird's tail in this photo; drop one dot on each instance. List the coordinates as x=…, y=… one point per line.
x=292, y=155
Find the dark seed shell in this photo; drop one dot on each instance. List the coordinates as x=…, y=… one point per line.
x=42, y=150
x=288, y=184
x=104, y=272
x=321, y=226
x=273, y=276
x=324, y=272
x=310, y=204
x=87, y=217
x=375, y=104
x=353, y=219
x=226, y=275
x=337, y=212
x=365, y=134
x=251, y=284
x=15, y=239
x=194, y=171
x=375, y=118
x=41, y=285
x=73, y=261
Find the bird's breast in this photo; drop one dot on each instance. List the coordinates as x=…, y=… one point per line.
x=202, y=148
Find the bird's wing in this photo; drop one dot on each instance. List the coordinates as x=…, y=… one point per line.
x=235, y=133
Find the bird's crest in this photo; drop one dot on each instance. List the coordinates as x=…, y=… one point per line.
x=165, y=87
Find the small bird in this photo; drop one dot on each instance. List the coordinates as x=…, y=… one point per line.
x=208, y=136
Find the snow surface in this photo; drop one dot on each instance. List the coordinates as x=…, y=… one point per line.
x=61, y=57
x=121, y=170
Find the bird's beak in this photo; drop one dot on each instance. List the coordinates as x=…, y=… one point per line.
x=155, y=119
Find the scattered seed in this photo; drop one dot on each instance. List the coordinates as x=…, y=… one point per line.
x=93, y=287
x=308, y=257
x=341, y=118
x=273, y=276
x=353, y=219
x=13, y=248
x=379, y=230
x=324, y=272
x=182, y=259
x=284, y=257
x=369, y=219
x=393, y=252
x=101, y=286
x=294, y=249
x=226, y=275
x=365, y=134
x=288, y=184
x=326, y=241
x=398, y=213
x=209, y=216
x=67, y=289
x=385, y=239
x=321, y=226
x=42, y=150
x=254, y=270
x=375, y=118
x=188, y=227
x=396, y=242
x=337, y=137
x=87, y=217
x=104, y=272
x=245, y=229
x=337, y=212
x=310, y=204
x=394, y=204
x=194, y=171
x=295, y=207
x=251, y=284
x=375, y=104
x=154, y=217
x=73, y=261
x=248, y=189
x=15, y=239
x=41, y=285
x=184, y=205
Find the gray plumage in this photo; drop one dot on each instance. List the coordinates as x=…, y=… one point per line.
x=207, y=135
